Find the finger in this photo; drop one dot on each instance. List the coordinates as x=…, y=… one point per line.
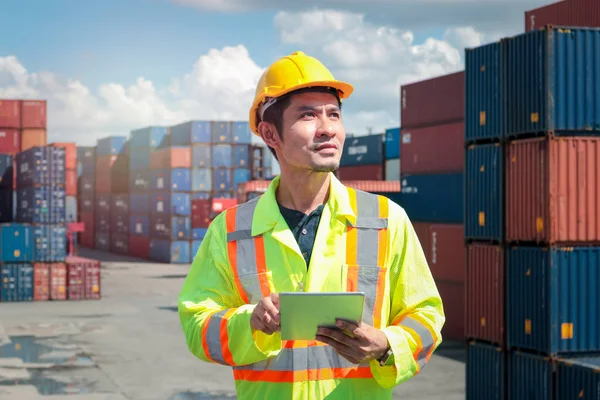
x=349, y=327
x=269, y=321
x=340, y=348
x=275, y=299
x=271, y=309
x=339, y=336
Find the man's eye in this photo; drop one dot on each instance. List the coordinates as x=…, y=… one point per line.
x=335, y=115
x=308, y=114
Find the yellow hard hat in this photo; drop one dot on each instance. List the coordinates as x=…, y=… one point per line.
x=293, y=72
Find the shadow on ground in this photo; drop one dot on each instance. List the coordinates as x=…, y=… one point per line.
x=453, y=350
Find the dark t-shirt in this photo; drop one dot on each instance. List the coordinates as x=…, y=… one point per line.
x=304, y=227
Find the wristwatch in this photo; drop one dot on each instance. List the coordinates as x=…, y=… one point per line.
x=383, y=361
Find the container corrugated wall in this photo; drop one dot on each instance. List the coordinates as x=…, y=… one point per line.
x=420, y=196
x=553, y=299
x=553, y=81
x=486, y=372
x=484, y=73
x=363, y=150
x=553, y=190
x=529, y=377
x=484, y=192
x=578, y=378
x=570, y=12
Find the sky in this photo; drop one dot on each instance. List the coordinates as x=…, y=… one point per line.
x=108, y=67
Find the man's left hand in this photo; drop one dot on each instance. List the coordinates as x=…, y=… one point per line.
x=356, y=343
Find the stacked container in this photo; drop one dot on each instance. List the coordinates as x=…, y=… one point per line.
x=392, y=154
x=534, y=275
x=71, y=203
x=363, y=158
x=16, y=268
x=585, y=13
x=86, y=186
x=431, y=179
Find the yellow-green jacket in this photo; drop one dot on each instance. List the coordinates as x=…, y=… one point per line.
x=364, y=242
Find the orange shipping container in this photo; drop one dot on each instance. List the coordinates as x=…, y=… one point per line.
x=70, y=154
x=71, y=182
x=33, y=138
x=175, y=157
x=58, y=281
x=33, y=114
x=553, y=190
x=41, y=282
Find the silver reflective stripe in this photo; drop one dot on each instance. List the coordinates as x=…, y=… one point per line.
x=213, y=337
x=239, y=235
x=427, y=342
x=373, y=223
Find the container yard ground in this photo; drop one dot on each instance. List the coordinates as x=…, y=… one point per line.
x=129, y=345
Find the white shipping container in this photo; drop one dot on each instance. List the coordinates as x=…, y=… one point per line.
x=71, y=208
x=392, y=169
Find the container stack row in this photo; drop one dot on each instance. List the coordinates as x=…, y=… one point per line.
x=86, y=196
x=532, y=223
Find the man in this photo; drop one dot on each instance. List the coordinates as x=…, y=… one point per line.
x=309, y=232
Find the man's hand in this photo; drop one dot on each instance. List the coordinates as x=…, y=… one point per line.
x=356, y=343
x=265, y=317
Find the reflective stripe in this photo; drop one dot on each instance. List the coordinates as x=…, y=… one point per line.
x=302, y=376
x=216, y=338
x=427, y=342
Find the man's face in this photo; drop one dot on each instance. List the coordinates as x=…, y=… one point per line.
x=313, y=133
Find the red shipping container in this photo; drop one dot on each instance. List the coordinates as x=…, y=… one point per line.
x=220, y=205
x=361, y=172
x=485, y=293
x=553, y=190
x=103, y=182
x=58, y=281
x=87, y=238
x=139, y=246
x=70, y=154
x=75, y=280
x=434, y=149
x=447, y=256
x=71, y=182
x=10, y=141
x=105, y=163
x=41, y=282
x=578, y=13
x=33, y=138
x=201, y=213
x=10, y=114
x=89, y=270
x=433, y=101
x=422, y=229
x=33, y=114
x=453, y=298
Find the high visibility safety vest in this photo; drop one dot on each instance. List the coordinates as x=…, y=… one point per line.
x=364, y=243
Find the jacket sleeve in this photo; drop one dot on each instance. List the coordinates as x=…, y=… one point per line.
x=416, y=310
x=214, y=318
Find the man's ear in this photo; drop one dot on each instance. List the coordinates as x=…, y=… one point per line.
x=269, y=134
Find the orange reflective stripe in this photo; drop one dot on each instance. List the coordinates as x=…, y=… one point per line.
x=301, y=344
x=232, y=253
x=351, y=233
x=352, y=280
x=379, y=298
x=381, y=257
x=304, y=375
x=227, y=356
x=422, y=333
x=204, y=338
x=261, y=265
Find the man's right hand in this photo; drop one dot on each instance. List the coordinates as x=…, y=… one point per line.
x=265, y=317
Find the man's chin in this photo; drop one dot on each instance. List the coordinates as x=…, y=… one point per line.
x=325, y=168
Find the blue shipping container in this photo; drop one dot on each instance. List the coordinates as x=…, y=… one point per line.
x=486, y=372
x=222, y=132
x=6, y=205
x=223, y=195
x=484, y=80
x=241, y=156
x=201, y=179
x=139, y=225
x=139, y=203
x=149, y=137
x=49, y=243
x=434, y=198
x=201, y=195
x=6, y=170
x=102, y=240
x=553, y=81
x=170, y=227
x=195, y=247
x=174, y=252
x=119, y=204
x=199, y=233
x=242, y=133
x=140, y=181
x=110, y=146
x=530, y=377
x=41, y=205
x=16, y=282
x=201, y=155
x=222, y=155
x=392, y=143
x=578, y=378
x=191, y=132
x=41, y=166
x=222, y=180
x=16, y=243
x=484, y=186
x=363, y=150
x=179, y=179
x=171, y=203
x=553, y=299
x=240, y=175
x=119, y=223
x=139, y=159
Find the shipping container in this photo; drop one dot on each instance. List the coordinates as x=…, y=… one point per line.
x=530, y=377
x=49, y=242
x=111, y=146
x=6, y=170
x=86, y=203
x=222, y=156
x=139, y=159
x=453, y=298
x=485, y=293
x=447, y=254
x=367, y=172
x=58, y=281
x=222, y=132
x=420, y=197
x=16, y=282
x=484, y=75
x=484, y=185
x=119, y=223
x=551, y=82
x=6, y=205
x=139, y=225
x=486, y=372
x=139, y=246
x=87, y=184
x=86, y=160
x=229, y=194
x=93, y=278
x=140, y=181
x=119, y=204
x=423, y=231
x=195, y=247
x=119, y=243
x=392, y=143
x=10, y=114
x=580, y=13
x=41, y=205
x=139, y=203
x=578, y=378
x=241, y=156
x=363, y=150
x=199, y=233
x=103, y=222
x=201, y=179
x=191, y=132
x=201, y=195
x=201, y=213
x=103, y=203
x=70, y=154
x=173, y=203
x=201, y=155
x=433, y=101
x=41, y=166
x=170, y=227
x=41, y=282
x=87, y=238
x=433, y=149
x=119, y=180
x=178, y=179
x=173, y=252
x=75, y=281
x=240, y=175
x=392, y=169
x=222, y=179
x=149, y=137
x=71, y=183
x=102, y=240
x=16, y=243
x=242, y=133
x=33, y=114
x=172, y=157
x=10, y=141
x=553, y=190
x=553, y=299
x=221, y=204
x=103, y=183
x=33, y=138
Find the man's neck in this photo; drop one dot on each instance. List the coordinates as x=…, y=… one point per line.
x=303, y=191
